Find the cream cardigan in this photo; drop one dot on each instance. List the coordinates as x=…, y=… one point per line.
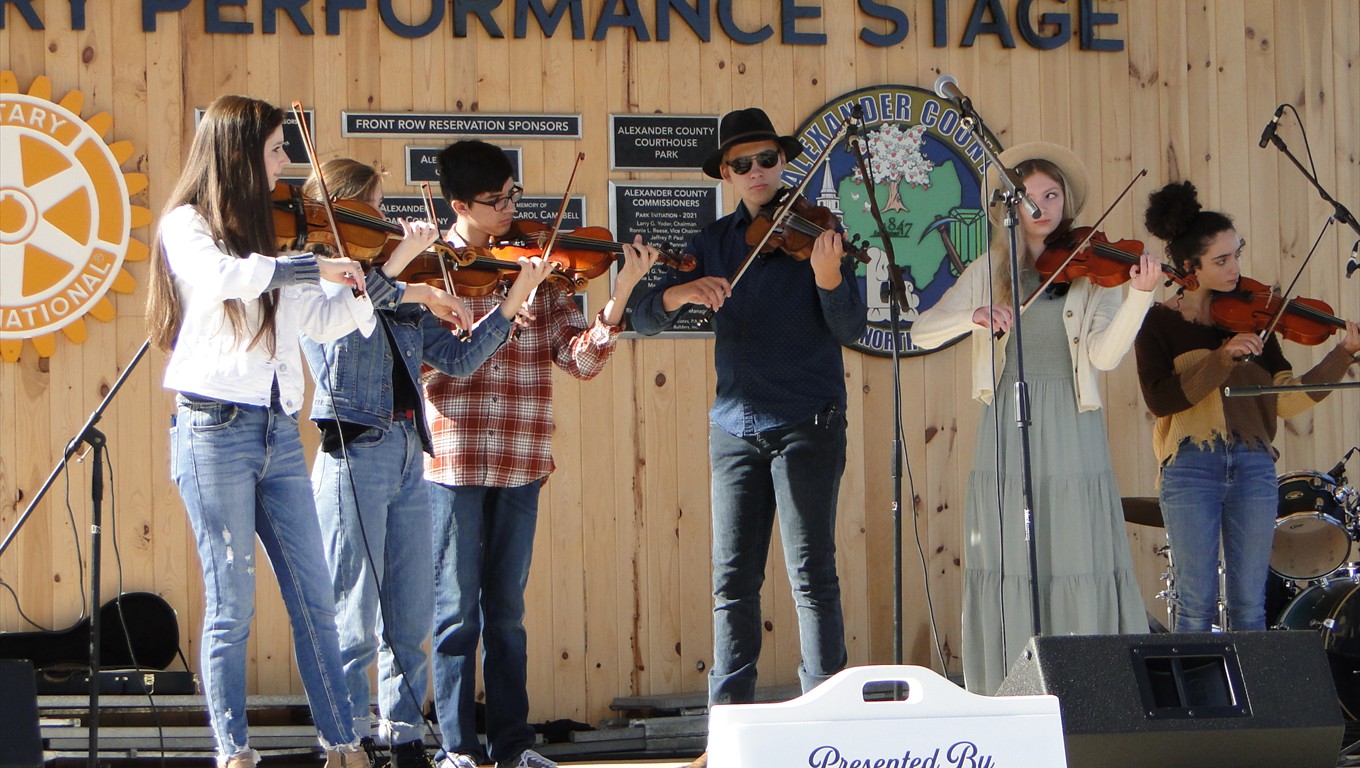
x=1101, y=327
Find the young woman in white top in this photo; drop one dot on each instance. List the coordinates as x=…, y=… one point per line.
x=1085, y=574
x=229, y=309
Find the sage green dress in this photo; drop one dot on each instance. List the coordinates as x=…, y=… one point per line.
x=1085, y=573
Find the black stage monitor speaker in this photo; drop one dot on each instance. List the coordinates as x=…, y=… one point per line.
x=20, y=739
x=1194, y=700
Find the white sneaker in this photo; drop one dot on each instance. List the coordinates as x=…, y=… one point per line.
x=457, y=761
x=529, y=759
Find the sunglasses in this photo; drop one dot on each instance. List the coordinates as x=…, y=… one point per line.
x=742, y=165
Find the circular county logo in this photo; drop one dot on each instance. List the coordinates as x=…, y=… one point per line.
x=927, y=177
x=65, y=217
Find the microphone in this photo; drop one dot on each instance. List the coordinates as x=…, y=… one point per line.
x=1339, y=471
x=1269, y=132
x=1031, y=207
x=1355, y=260
x=856, y=120
x=946, y=87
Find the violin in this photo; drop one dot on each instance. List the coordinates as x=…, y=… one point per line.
x=587, y=251
x=1097, y=259
x=300, y=223
x=485, y=273
x=1252, y=307
x=799, y=230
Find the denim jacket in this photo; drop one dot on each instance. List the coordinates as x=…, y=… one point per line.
x=353, y=374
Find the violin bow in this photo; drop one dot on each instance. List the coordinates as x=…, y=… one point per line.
x=1085, y=241
x=326, y=204
x=561, y=210
x=782, y=212
x=427, y=197
x=1284, y=296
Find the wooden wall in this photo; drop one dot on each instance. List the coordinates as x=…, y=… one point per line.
x=619, y=595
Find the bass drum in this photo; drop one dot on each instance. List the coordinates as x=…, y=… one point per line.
x=1311, y=527
x=1334, y=610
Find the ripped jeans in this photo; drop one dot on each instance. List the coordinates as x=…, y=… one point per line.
x=241, y=474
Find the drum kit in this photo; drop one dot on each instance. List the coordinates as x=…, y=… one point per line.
x=1314, y=564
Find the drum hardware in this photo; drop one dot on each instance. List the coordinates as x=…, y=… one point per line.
x=1315, y=525
x=1170, y=595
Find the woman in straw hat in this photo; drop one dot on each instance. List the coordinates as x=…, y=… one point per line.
x=1084, y=572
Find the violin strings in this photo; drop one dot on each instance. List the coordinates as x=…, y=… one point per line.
x=1312, y=313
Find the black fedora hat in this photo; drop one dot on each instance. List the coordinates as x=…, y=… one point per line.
x=742, y=126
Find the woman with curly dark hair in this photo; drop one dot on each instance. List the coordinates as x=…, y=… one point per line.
x=1216, y=454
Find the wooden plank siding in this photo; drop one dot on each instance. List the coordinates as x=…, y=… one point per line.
x=619, y=597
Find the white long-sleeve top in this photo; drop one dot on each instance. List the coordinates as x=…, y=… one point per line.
x=1101, y=326
x=208, y=358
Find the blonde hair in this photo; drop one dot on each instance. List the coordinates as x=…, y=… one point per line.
x=999, y=247
x=346, y=179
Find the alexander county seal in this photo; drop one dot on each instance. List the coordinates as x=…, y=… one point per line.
x=926, y=170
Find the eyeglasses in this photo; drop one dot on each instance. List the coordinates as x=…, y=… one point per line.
x=768, y=158
x=503, y=202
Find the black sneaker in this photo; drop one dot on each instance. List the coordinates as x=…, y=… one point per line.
x=411, y=754
x=374, y=752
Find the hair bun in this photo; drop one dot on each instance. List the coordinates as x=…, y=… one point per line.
x=1172, y=210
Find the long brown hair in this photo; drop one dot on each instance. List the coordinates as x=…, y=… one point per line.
x=224, y=179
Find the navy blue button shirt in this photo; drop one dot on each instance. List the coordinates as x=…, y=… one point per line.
x=778, y=337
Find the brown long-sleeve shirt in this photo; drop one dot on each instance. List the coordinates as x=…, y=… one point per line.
x=1183, y=368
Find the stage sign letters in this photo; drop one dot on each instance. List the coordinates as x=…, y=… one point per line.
x=542, y=209
x=881, y=23
x=398, y=125
x=422, y=164
x=661, y=142
x=665, y=214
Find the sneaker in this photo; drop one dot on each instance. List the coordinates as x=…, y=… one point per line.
x=348, y=757
x=528, y=759
x=457, y=761
x=411, y=754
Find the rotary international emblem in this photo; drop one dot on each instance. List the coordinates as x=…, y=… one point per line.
x=66, y=219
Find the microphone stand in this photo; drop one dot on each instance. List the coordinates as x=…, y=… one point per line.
x=87, y=435
x=1252, y=390
x=896, y=291
x=1340, y=213
x=1012, y=196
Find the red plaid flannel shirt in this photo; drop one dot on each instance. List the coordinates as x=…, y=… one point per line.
x=495, y=427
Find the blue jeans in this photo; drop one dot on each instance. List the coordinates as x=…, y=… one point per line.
x=1212, y=492
x=391, y=598
x=241, y=474
x=483, y=542
x=797, y=470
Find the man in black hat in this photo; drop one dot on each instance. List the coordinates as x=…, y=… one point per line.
x=777, y=427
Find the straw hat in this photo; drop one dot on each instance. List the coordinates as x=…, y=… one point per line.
x=1072, y=168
